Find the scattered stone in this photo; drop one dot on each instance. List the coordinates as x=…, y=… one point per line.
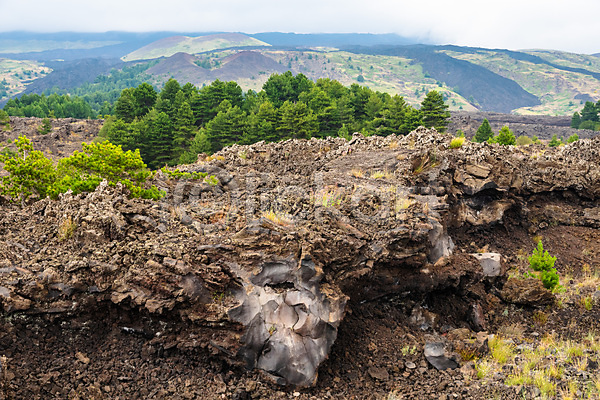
x=410, y=365
x=435, y=353
x=378, y=373
x=424, y=319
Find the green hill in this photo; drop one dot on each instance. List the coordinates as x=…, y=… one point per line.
x=192, y=45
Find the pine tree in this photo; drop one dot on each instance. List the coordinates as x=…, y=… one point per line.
x=484, y=132
x=145, y=97
x=576, y=120
x=184, y=129
x=505, y=137
x=589, y=112
x=435, y=111
x=297, y=121
x=125, y=106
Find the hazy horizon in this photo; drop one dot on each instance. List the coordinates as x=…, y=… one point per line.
x=511, y=24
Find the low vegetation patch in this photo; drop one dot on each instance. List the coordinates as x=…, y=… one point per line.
x=457, y=142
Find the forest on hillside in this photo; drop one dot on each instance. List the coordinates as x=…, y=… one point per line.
x=176, y=124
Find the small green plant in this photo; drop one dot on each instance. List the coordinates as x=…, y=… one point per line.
x=403, y=204
x=272, y=330
x=543, y=383
x=46, y=127
x=357, y=173
x=457, y=142
x=540, y=317
x=587, y=303
x=523, y=141
x=218, y=297
x=541, y=261
x=406, y=350
x=501, y=350
x=328, y=198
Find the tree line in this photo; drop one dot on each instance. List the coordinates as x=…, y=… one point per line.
x=174, y=125
x=588, y=117
x=88, y=101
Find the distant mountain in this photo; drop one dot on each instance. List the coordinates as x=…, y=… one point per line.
x=75, y=45
x=489, y=90
x=523, y=82
x=334, y=39
x=177, y=44
x=242, y=65
x=67, y=75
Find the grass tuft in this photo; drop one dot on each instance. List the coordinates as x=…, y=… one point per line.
x=457, y=142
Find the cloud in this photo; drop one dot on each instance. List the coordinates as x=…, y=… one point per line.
x=516, y=24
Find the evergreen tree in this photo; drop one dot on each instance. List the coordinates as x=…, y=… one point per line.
x=145, y=97
x=262, y=125
x=297, y=121
x=125, y=106
x=199, y=145
x=555, y=141
x=184, y=129
x=158, y=137
x=589, y=112
x=505, y=137
x=228, y=127
x=576, y=120
x=435, y=111
x=484, y=132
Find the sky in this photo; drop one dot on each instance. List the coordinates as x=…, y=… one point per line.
x=572, y=25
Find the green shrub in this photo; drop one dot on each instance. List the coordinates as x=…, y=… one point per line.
x=4, y=118
x=505, y=137
x=83, y=171
x=573, y=138
x=523, y=141
x=542, y=262
x=29, y=172
x=457, y=142
x=555, y=142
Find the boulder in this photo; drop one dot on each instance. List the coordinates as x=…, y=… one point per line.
x=527, y=292
x=491, y=264
x=436, y=354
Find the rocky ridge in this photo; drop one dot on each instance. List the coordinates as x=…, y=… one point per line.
x=262, y=269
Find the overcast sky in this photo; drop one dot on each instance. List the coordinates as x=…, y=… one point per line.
x=572, y=25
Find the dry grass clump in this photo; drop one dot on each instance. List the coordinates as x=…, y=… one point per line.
x=402, y=203
x=66, y=228
x=501, y=350
x=385, y=174
x=357, y=173
x=278, y=218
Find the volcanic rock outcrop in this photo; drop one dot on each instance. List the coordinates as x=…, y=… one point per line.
x=263, y=267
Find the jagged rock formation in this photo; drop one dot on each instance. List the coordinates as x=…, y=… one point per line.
x=261, y=267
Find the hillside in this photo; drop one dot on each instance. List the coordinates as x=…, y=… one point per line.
x=495, y=80
x=169, y=46
x=373, y=268
x=241, y=67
